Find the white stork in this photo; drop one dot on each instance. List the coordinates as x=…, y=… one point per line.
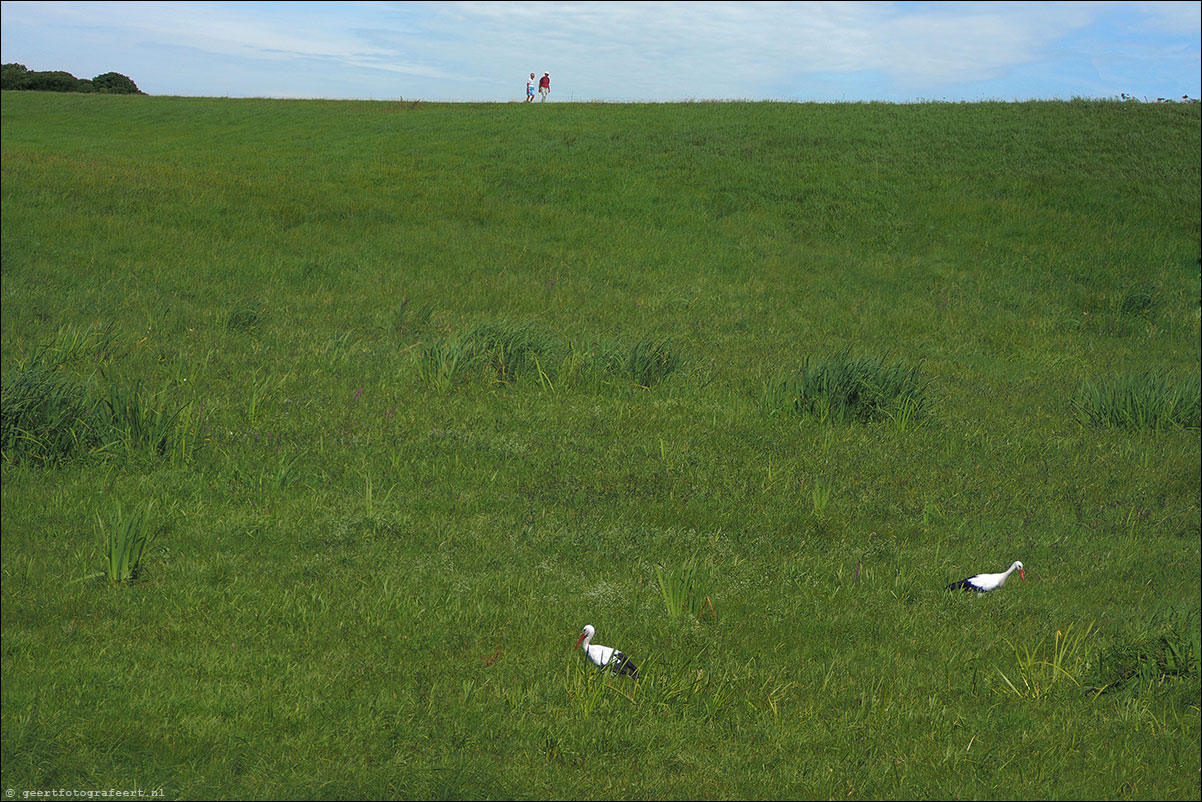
x=983, y=583
x=605, y=656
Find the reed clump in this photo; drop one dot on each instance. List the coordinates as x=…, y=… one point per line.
x=46, y=416
x=844, y=388
x=503, y=353
x=125, y=542
x=497, y=351
x=1140, y=401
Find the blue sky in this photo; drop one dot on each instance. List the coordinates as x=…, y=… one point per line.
x=621, y=51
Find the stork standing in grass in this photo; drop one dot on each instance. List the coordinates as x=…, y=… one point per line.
x=983, y=583
x=605, y=656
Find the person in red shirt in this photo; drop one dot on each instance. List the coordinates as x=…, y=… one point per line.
x=544, y=86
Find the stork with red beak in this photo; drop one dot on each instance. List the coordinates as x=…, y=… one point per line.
x=983, y=583
x=606, y=657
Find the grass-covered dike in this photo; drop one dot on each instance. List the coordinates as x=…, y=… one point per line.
x=327, y=426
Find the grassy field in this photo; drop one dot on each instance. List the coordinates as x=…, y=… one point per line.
x=391, y=399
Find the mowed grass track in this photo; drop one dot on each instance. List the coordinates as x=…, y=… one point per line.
x=370, y=561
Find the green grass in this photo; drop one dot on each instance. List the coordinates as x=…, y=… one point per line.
x=417, y=391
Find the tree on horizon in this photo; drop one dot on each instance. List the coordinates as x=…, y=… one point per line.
x=19, y=77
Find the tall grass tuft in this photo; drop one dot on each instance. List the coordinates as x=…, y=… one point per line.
x=497, y=351
x=71, y=343
x=682, y=587
x=1171, y=650
x=140, y=420
x=1149, y=400
x=1039, y=672
x=509, y=349
x=644, y=363
x=1141, y=301
x=820, y=496
x=650, y=361
x=502, y=352
x=444, y=364
x=245, y=316
x=412, y=317
x=844, y=388
x=46, y=417
x=125, y=543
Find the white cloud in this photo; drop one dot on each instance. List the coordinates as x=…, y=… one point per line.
x=240, y=30
x=1177, y=18
x=725, y=49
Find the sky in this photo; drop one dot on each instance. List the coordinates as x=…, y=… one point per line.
x=621, y=51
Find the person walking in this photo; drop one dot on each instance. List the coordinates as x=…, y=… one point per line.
x=530, y=84
x=544, y=86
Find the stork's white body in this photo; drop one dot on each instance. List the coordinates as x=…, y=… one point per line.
x=984, y=583
x=601, y=655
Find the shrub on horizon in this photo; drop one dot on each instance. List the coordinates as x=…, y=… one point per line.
x=19, y=77
x=114, y=83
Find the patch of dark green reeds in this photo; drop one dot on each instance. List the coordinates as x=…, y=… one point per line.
x=1170, y=649
x=445, y=363
x=643, y=363
x=682, y=587
x=415, y=316
x=647, y=362
x=46, y=416
x=844, y=388
x=245, y=316
x=77, y=343
x=139, y=419
x=501, y=352
x=507, y=350
x=1139, y=401
x=498, y=352
x=1140, y=301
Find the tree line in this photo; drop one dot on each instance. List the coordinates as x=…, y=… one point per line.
x=18, y=76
